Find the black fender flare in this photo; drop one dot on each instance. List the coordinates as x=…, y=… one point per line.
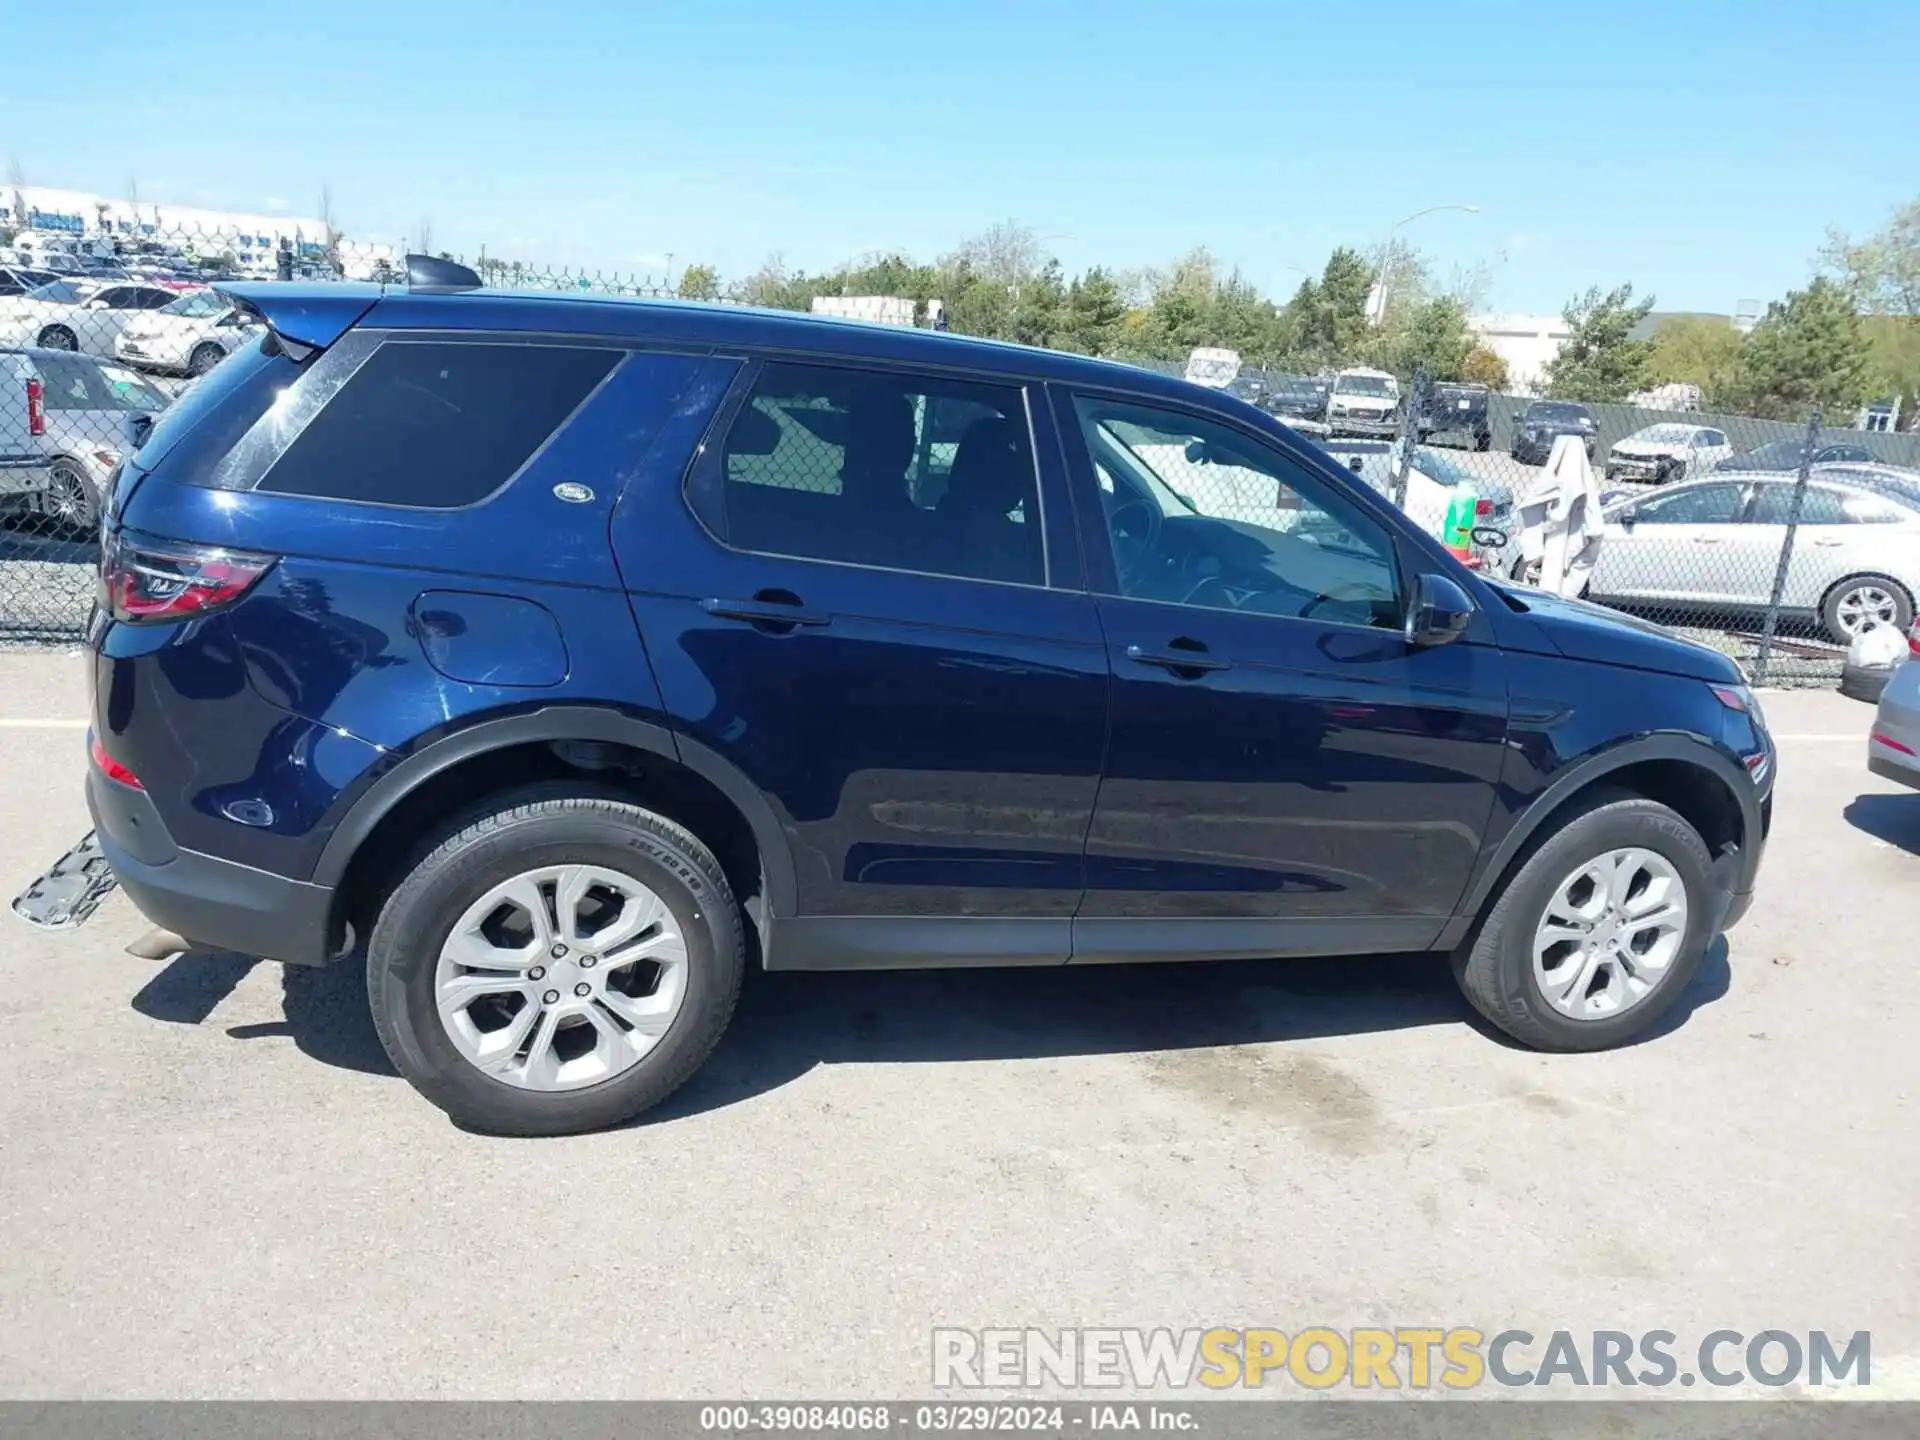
x=1669, y=745
x=563, y=722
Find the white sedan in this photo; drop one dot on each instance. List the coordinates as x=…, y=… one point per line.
x=1668, y=451
x=74, y=314
x=189, y=337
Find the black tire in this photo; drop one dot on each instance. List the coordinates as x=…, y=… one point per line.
x=1830, y=605
x=57, y=337
x=205, y=356
x=1483, y=443
x=1495, y=965
x=549, y=825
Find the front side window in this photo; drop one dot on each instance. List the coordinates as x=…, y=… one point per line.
x=1200, y=514
x=197, y=305
x=868, y=467
x=435, y=424
x=1708, y=505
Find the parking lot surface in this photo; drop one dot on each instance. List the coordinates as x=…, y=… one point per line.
x=215, y=1186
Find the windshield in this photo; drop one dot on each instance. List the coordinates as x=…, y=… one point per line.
x=1783, y=454
x=200, y=305
x=1379, y=385
x=1666, y=434
x=1550, y=411
x=75, y=382
x=58, y=292
x=1143, y=443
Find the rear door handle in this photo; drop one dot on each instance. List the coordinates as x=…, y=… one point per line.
x=763, y=612
x=1176, y=659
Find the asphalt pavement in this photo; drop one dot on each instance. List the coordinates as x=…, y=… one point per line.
x=214, y=1185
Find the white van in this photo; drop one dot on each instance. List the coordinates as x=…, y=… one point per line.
x=1364, y=402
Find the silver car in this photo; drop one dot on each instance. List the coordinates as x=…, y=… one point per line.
x=1893, y=747
x=62, y=426
x=1714, y=544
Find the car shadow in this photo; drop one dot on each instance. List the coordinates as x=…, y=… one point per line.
x=1892, y=818
x=788, y=1023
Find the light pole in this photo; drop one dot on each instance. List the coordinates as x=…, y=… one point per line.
x=1377, y=296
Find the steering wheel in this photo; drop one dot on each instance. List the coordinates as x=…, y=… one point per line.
x=1132, y=558
x=1337, y=598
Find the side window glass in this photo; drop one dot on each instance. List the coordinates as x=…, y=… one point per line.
x=1200, y=514
x=899, y=471
x=437, y=425
x=1709, y=505
x=1821, y=506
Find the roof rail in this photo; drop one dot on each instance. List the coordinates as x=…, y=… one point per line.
x=424, y=272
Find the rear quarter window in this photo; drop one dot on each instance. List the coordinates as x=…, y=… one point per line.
x=437, y=424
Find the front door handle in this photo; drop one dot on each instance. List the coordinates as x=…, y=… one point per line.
x=783, y=614
x=1179, y=659
x=1706, y=539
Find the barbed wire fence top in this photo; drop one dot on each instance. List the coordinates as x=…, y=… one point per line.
x=1773, y=541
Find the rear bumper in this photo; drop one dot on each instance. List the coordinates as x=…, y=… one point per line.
x=1888, y=767
x=214, y=903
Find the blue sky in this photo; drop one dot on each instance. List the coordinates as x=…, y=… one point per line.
x=1699, y=149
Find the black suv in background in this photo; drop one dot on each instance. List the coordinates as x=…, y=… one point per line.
x=1297, y=397
x=1545, y=421
x=565, y=656
x=1457, y=409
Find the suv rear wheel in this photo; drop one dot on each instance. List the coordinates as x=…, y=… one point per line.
x=559, y=964
x=1598, y=932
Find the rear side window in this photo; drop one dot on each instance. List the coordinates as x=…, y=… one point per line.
x=212, y=413
x=905, y=472
x=437, y=425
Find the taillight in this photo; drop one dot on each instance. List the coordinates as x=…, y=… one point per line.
x=143, y=581
x=1913, y=639
x=110, y=767
x=1483, y=506
x=36, y=408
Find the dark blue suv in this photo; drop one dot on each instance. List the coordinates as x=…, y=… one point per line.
x=569, y=656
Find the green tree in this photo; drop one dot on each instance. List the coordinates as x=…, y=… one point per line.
x=1435, y=338
x=1327, y=320
x=1038, y=306
x=1808, y=351
x=1484, y=367
x=1695, y=350
x=1881, y=272
x=1095, y=307
x=699, y=282
x=1893, y=363
x=1601, y=360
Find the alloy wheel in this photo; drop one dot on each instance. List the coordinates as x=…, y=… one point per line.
x=1611, y=930
x=561, y=977
x=1866, y=605
x=65, y=501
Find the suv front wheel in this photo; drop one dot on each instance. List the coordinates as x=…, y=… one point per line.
x=1598, y=932
x=557, y=965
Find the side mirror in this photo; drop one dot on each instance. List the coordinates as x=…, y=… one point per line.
x=1355, y=465
x=1197, y=453
x=1625, y=519
x=1439, y=614
x=134, y=428
x=1516, y=417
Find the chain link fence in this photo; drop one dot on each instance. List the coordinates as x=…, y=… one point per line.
x=1773, y=541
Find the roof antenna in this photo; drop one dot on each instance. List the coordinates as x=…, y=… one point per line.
x=426, y=273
